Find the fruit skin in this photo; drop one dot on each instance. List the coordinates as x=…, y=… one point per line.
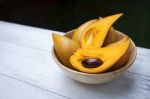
x=109, y=55
x=64, y=48
x=94, y=35
x=77, y=33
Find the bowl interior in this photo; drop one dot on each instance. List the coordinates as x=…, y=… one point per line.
x=123, y=63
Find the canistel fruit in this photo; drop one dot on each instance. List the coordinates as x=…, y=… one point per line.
x=85, y=52
x=64, y=47
x=108, y=55
x=77, y=34
x=94, y=35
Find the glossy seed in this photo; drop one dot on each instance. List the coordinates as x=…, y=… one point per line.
x=91, y=62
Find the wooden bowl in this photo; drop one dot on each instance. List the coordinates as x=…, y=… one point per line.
x=123, y=64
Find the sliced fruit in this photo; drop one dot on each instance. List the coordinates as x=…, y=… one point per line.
x=111, y=37
x=93, y=36
x=103, y=58
x=77, y=33
x=118, y=42
x=64, y=48
x=120, y=63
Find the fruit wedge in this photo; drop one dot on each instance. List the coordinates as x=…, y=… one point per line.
x=94, y=35
x=77, y=33
x=104, y=57
x=64, y=48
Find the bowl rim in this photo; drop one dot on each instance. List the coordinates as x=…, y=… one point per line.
x=90, y=74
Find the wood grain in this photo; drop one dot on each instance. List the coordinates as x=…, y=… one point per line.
x=11, y=88
x=25, y=54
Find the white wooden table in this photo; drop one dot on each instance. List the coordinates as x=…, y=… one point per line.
x=28, y=71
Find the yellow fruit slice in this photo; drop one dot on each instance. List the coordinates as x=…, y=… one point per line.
x=108, y=55
x=93, y=36
x=64, y=48
x=77, y=33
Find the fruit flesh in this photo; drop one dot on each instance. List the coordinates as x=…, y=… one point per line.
x=109, y=55
x=64, y=48
x=77, y=33
x=94, y=35
x=85, y=50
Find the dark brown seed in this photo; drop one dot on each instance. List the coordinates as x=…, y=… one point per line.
x=91, y=62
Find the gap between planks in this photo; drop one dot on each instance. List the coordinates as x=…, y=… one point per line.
x=35, y=86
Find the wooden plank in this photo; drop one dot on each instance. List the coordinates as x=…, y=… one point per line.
x=26, y=56
x=142, y=63
x=144, y=51
x=11, y=88
x=25, y=36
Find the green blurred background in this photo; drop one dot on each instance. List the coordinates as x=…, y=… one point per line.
x=64, y=15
